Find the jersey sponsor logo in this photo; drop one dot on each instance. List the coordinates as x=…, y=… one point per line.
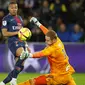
x=16, y=27
x=4, y=23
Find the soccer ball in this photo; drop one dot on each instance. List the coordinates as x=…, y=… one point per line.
x=24, y=34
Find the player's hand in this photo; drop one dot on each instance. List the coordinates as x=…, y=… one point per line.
x=33, y=19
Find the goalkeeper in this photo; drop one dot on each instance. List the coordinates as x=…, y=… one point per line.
x=60, y=69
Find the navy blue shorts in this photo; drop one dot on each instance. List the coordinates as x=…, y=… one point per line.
x=15, y=45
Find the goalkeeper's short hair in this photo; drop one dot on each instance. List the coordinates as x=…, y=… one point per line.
x=52, y=34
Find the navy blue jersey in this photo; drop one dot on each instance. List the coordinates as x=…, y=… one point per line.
x=13, y=24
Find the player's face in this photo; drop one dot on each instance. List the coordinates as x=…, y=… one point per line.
x=13, y=8
x=48, y=41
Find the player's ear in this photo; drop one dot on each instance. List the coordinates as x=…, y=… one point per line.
x=54, y=40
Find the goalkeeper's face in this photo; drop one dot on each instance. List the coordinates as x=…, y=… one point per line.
x=48, y=41
x=13, y=8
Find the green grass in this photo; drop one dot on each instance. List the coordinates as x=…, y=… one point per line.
x=79, y=78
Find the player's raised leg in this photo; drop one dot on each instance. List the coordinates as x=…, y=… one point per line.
x=18, y=67
x=19, y=64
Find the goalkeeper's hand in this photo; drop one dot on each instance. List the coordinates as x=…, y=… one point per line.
x=33, y=19
x=23, y=54
x=26, y=54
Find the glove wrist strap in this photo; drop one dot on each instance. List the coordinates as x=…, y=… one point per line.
x=30, y=55
x=38, y=24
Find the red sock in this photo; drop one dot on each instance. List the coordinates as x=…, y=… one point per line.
x=41, y=80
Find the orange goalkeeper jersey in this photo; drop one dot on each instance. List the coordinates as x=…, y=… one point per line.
x=56, y=56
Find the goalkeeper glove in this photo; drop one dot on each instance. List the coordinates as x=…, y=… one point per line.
x=33, y=19
x=23, y=55
x=26, y=54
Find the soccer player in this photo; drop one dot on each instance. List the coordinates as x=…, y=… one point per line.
x=60, y=69
x=10, y=27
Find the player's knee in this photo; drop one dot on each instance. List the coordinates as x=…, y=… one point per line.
x=19, y=51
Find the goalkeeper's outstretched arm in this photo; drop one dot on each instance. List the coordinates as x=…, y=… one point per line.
x=43, y=28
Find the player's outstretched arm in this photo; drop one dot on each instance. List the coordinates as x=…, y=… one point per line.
x=36, y=54
x=7, y=34
x=43, y=28
x=42, y=53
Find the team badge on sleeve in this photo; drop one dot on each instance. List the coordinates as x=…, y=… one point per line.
x=4, y=23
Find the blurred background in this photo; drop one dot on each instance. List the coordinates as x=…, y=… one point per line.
x=66, y=17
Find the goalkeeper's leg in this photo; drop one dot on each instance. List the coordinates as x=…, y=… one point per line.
x=25, y=83
x=41, y=80
x=71, y=82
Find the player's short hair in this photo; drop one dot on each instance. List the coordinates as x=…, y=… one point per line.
x=12, y=3
x=52, y=34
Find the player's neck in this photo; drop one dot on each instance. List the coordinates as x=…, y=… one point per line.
x=13, y=15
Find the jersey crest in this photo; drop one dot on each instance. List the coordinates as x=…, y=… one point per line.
x=4, y=23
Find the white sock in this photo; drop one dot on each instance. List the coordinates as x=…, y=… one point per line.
x=2, y=82
x=14, y=79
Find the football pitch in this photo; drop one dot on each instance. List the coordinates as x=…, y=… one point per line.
x=79, y=77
